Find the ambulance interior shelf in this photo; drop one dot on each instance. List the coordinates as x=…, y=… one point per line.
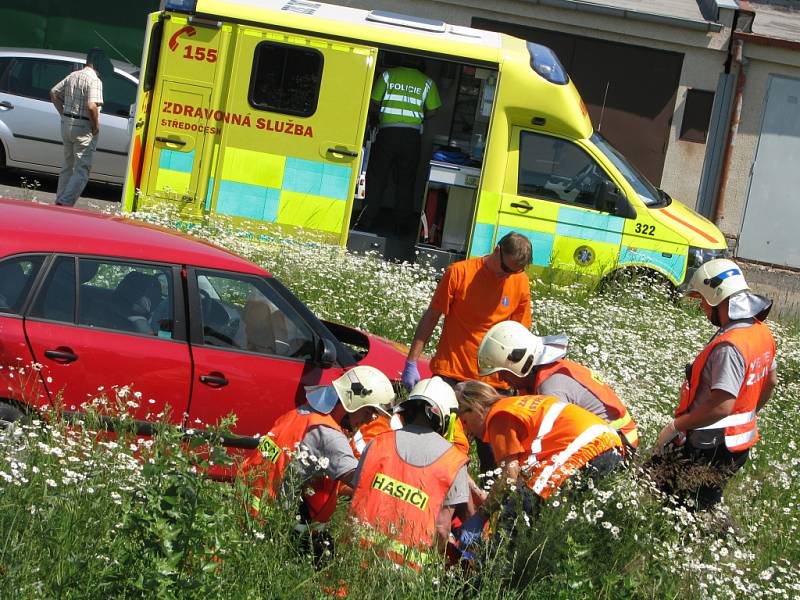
x=449, y=204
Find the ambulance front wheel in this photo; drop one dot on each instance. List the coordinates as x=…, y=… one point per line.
x=638, y=277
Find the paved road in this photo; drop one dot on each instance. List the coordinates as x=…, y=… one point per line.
x=27, y=185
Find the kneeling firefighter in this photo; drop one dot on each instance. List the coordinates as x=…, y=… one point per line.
x=409, y=481
x=539, y=442
x=536, y=365
x=308, y=446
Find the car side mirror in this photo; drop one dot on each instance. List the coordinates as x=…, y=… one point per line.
x=326, y=355
x=610, y=199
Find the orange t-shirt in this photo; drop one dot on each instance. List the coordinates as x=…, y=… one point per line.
x=505, y=432
x=472, y=299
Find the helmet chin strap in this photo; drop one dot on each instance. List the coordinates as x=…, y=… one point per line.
x=715, y=320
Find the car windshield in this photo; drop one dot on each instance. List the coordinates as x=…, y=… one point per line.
x=649, y=194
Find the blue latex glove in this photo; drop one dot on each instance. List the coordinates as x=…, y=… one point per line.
x=471, y=531
x=410, y=375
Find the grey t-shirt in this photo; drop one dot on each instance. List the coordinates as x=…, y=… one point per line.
x=724, y=370
x=569, y=390
x=420, y=446
x=324, y=443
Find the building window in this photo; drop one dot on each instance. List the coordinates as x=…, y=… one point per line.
x=696, y=115
x=286, y=79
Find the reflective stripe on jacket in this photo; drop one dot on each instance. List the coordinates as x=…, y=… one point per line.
x=757, y=346
x=267, y=464
x=562, y=438
x=621, y=418
x=397, y=503
x=405, y=95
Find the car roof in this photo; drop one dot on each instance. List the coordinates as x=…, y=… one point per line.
x=28, y=227
x=120, y=65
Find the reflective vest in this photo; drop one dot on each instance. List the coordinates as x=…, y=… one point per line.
x=397, y=503
x=560, y=437
x=757, y=346
x=381, y=424
x=621, y=419
x=270, y=459
x=403, y=94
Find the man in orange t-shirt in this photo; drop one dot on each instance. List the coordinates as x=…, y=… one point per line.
x=473, y=295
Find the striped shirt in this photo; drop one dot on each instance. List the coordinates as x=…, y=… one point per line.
x=404, y=95
x=77, y=89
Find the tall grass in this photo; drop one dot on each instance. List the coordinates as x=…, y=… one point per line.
x=83, y=516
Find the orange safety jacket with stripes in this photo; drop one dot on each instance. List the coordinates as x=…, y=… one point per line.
x=620, y=417
x=267, y=464
x=757, y=346
x=560, y=437
x=397, y=503
x=382, y=424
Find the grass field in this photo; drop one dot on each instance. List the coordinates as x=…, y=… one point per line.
x=89, y=517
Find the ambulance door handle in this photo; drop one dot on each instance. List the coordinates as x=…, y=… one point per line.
x=167, y=140
x=343, y=152
x=522, y=206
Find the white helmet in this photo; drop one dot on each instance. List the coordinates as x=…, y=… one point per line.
x=441, y=400
x=510, y=346
x=717, y=279
x=360, y=386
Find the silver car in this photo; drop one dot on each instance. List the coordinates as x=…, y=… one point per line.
x=30, y=128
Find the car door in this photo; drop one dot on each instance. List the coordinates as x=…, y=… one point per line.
x=19, y=381
x=553, y=192
x=26, y=111
x=253, y=354
x=101, y=324
x=111, y=157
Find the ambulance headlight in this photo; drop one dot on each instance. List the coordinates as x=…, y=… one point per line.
x=546, y=63
x=179, y=5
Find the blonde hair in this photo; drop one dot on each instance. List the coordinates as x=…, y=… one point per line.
x=471, y=394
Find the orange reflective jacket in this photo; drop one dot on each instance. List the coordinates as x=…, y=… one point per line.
x=380, y=424
x=560, y=436
x=620, y=417
x=267, y=464
x=398, y=503
x=757, y=346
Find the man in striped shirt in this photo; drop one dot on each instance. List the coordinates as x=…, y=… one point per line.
x=403, y=97
x=78, y=98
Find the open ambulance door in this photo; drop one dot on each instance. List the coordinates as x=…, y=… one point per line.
x=289, y=154
x=552, y=195
x=181, y=123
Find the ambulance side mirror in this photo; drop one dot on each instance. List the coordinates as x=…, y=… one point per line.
x=612, y=200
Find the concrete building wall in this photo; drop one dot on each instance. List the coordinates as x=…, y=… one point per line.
x=761, y=62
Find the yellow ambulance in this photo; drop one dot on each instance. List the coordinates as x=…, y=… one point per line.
x=260, y=110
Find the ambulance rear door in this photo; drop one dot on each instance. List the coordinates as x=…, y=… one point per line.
x=290, y=151
x=180, y=139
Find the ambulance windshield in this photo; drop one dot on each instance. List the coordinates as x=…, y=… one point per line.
x=649, y=194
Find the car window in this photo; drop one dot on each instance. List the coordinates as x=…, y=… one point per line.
x=16, y=278
x=133, y=298
x=5, y=61
x=556, y=169
x=244, y=313
x=118, y=95
x=56, y=299
x=34, y=77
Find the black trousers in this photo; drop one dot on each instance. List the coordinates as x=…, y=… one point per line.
x=395, y=152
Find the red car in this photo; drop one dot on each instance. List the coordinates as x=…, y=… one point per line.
x=100, y=301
